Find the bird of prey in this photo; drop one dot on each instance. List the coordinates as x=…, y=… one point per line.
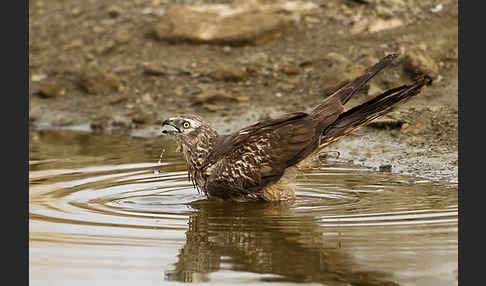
x=260, y=162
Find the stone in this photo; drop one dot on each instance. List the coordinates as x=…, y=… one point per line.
x=114, y=11
x=211, y=96
x=117, y=98
x=106, y=47
x=226, y=49
x=38, y=77
x=417, y=61
x=420, y=126
x=229, y=73
x=416, y=140
x=386, y=123
x=379, y=25
x=385, y=168
x=239, y=23
x=122, y=36
x=337, y=57
x=359, y=27
x=95, y=80
x=147, y=99
x=154, y=70
x=98, y=125
x=47, y=90
x=142, y=118
x=291, y=69
x=74, y=44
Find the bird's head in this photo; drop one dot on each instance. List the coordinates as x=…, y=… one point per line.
x=191, y=132
x=185, y=125
x=181, y=125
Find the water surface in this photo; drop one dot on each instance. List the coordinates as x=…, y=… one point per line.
x=102, y=210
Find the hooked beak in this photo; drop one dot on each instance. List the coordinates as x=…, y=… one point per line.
x=170, y=131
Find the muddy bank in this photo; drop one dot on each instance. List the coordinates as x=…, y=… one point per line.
x=123, y=67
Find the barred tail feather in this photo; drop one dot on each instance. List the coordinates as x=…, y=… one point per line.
x=346, y=92
x=362, y=114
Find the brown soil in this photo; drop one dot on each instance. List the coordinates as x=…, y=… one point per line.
x=99, y=65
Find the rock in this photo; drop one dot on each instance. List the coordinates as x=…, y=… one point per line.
x=154, y=70
x=114, y=11
x=330, y=86
x=212, y=96
x=99, y=124
x=118, y=98
x=229, y=73
x=226, y=49
x=239, y=23
x=48, y=90
x=340, y=74
x=62, y=121
x=120, y=121
x=359, y=27
x=437, y=8
x=214, y=100
x=98, y=29
x=385, y=168
x=287, y=87
x=76, y=11
x=38, y=77
x=291, y=70
x=122, y=36
x=417, y=61
x=142, y=118
x=74, y=44
x=106, y=47
x=337, y=57
x=420, y=126
x=97, y=81
x=386, y=123
x=253, y=69
x=416, y=140
x=374, y=26
x=379, y=25
x=148, y=99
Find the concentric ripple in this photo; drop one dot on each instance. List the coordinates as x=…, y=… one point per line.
x=102, y=208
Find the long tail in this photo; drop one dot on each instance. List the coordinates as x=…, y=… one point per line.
x=346, y=92
x=362, y=114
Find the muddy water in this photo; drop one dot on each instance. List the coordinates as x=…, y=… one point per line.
x=102, y=210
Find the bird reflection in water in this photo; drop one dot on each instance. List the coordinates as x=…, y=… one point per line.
x=264, y=238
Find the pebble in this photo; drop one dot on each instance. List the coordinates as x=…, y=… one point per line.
x=95, y=80
x=385, y=168
x=114, y=11
x=418, y=61
x=380, y=25
x=416, y=140
x=154, y=70
x=437, y=8
x=229, y=73
x=48, y=90
x=291, y=70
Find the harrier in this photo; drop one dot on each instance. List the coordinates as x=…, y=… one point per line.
x=259, y=162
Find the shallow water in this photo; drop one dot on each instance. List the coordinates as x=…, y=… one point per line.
x=103, y=211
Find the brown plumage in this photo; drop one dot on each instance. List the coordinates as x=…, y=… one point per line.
x=259, y=162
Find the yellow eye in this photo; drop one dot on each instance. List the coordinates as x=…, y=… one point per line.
x=186, y=124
